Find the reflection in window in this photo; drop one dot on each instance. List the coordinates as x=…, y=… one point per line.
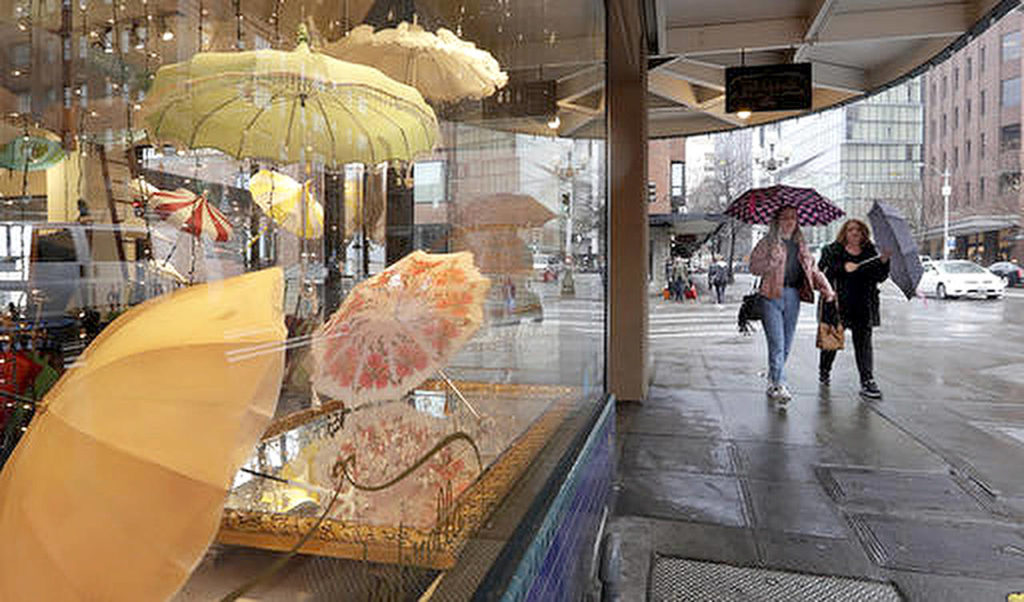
x=678, y=181
x=1011, y=92
x=428, y=182
x=1009, y=137
x=1011, y=46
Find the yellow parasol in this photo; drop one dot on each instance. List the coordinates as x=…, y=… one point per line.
x=117, y=488
x=280, y=197
x=288, y=107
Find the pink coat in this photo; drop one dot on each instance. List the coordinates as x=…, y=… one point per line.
x=769, y=262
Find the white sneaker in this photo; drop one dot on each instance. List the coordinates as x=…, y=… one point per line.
x=772, y=392
x=783, y=394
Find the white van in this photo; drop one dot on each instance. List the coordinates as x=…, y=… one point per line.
x=51, y=270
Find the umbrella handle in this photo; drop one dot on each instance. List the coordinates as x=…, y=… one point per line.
x=458, y=393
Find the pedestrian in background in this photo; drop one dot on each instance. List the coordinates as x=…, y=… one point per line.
x=788, y=276
x=718, y=279
x=855, y=269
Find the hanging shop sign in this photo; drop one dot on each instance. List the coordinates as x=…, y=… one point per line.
x=785, y=87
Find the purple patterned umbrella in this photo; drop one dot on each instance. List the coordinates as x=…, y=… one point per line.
x=758, y=205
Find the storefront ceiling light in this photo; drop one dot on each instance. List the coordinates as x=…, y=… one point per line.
x=554, y=122
x=743, y=114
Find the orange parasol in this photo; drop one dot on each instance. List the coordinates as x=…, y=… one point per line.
x=117, y=488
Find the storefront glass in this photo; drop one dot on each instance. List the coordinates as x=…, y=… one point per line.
x=260, y=296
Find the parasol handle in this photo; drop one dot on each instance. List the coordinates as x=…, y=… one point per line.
x=457, y=392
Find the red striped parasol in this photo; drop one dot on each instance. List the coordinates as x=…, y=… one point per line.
x=192, y=213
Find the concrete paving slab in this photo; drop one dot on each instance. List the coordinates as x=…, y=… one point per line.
x=900, y=492
x=794, y=507
x=942, y=547
x=681, y=496
x=811, y=554
x=774, y=461
x=675, y=453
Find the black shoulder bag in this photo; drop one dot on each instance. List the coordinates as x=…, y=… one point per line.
x=750, y=309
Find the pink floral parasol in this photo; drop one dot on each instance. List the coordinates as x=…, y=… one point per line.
x=398, y=327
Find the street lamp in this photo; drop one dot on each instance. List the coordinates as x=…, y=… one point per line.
x=946, y=190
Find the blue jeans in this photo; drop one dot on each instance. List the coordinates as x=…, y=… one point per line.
x=779, y=321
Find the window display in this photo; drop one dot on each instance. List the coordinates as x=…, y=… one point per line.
x=288, y=283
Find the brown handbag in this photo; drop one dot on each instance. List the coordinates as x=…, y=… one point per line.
x=831, y=336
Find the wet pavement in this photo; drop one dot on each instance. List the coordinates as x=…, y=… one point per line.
x=924, y=489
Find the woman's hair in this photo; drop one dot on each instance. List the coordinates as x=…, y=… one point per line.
x=773, y=230
x=853, y=223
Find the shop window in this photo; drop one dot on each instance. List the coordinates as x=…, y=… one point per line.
x=1011, y=46
x=1011, y=92
x=1009, y=137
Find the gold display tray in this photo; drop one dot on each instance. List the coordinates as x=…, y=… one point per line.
x=434, y=548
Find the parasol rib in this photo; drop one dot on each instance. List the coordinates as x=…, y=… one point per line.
x=204, y=118
x=252, y=122
x=330, y=130
x=358, y=124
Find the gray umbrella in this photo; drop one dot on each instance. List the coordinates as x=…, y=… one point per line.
x=892, y=235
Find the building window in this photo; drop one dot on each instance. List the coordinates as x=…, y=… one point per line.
x=934, y=96
x=956, y=78
x=428, y=182
x=981, y=188
x=1011, y=92
x=981, y=59
x=935, y=130
x=945, y=85
x=1011, y=46
x=943, y=124
x=1009, y=137
x=956, y=117
x=967, y=153
x=967, y=72
x=956, y=157
x=967, y=193
x=981, y=103
x=981, y=145
x=677, y=181
x=944, y=164
x=1009, y=181
x=968, y=116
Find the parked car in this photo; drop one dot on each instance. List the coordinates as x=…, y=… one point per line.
x=957, y=278
x=1013, y=273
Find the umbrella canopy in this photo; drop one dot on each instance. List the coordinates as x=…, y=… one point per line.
x=442, y=66
x=759, y=205
x=398, y=327
x=892, y=235
x=191, y=213
x=125, y=469
x=504, y=210
x=288, y=107
x=32, y=153
x=498, y=251
x=284, y=200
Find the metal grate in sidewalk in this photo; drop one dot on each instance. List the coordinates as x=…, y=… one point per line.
x=680, y=580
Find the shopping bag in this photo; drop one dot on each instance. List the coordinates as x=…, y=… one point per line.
x=831, y=335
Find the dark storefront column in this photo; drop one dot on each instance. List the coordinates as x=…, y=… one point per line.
x=627, y=187
x=399, y=216
x=334, y=238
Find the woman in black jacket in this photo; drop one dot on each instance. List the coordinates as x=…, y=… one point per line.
x=855, y=269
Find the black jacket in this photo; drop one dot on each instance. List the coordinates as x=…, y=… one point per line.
x=858, y=290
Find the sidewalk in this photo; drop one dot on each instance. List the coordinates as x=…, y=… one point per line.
x=709, y=470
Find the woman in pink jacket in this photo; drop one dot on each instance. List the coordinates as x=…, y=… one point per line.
x=788, y=275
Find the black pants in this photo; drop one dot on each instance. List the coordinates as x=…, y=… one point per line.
x=861, y=349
